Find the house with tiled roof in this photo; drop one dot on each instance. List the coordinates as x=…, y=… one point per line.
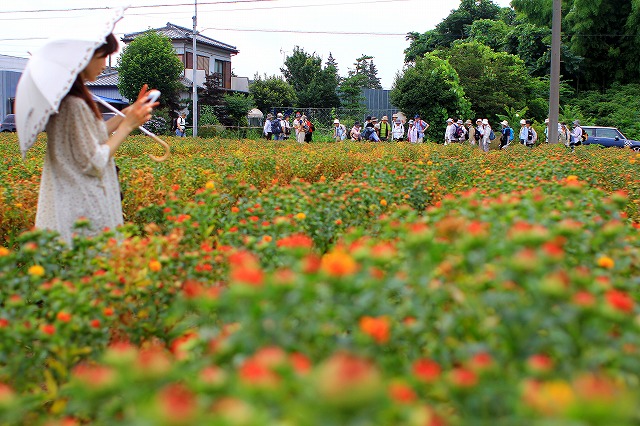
x=213, y=57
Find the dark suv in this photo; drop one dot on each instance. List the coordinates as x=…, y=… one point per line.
x=9, y=124
x=609, y=136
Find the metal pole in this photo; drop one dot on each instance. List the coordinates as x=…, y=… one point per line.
x=554, y=92
x=194, y=65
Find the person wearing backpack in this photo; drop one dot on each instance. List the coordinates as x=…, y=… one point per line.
x=507, y=134
x=532, y=135
x=460, y=133
x=286, y=127
x=309, y=128
x=276, y=127
x=523, y=132
x=398, y=130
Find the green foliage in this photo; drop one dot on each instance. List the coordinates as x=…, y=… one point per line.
x=491, y=80
x=272, y=92
x=451, y=28
x=350, y=92
x=207, y=116
x=314, y=86
x=513, y=117
x=236, y=108
x=494, y=34
x=617, y=107
x=150, y=59
x=364, y=66
x=432, y=88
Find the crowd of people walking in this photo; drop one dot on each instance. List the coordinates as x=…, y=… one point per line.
x=480, y=134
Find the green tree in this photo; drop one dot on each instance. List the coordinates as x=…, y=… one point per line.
x=150, y=59
x=491, y=80
x=351, y=96
x=432, y=88
x=364, y=66
x=331, y=62
x=236, y=108
x=272, y=92
x=313, y=85
x=451, y=28
x=494, y=34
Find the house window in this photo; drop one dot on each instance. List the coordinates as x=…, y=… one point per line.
x=181, y=57
x=203, y=64
x=223, y=68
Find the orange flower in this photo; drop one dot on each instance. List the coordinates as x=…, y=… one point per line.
x=463, y=378
x=402, y=393
x=383, y=202
x=572, y=178
x=300, y=216
x=155, y=266
x=63, y=316
x=4, y=251
x=377, y=328
x=338, y=264
x=606, y=262
x=295, y=241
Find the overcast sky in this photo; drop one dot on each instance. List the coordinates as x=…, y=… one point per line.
x=378, y=27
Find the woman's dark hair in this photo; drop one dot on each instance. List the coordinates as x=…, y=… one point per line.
x=79, y=89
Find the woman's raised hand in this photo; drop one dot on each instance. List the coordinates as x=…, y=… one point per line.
x=140, y=111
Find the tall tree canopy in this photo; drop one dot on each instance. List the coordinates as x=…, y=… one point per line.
x=491, y=80
x=313, y=85
x=150, y=59
x=432, y=88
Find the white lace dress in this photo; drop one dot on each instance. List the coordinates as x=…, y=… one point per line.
x=78, y=177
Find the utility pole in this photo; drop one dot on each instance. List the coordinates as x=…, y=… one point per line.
x=554, y=92
x=194, y=65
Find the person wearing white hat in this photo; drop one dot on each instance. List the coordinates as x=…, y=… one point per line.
x=447, y=132
x=339, y=131
x=546, y=130
x=412, y=132
x=507, y=134
x=524, y=133
x=398, y=130
x=487, y=135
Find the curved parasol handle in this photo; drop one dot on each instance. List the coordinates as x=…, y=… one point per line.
x=167, y=149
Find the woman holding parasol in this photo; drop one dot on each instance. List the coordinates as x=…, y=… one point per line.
x=79, y=180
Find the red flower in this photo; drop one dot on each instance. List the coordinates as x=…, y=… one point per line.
x=619, y=300
x=426, y=370
x=481, y=361
x=255, y=373
x=177, y=404
x=300, y=363
x=94, y=376
x=295, y=241
x=4, y=322
x=95, y=323
x=48, y=329
x=463, y=378
x=540, y=363
x=584, y=298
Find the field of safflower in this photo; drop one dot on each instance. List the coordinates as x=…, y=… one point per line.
x=262, y=283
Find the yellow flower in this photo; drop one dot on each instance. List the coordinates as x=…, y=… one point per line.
x=572, y=178
x=606, y=262
x=210, y=185
x=36, y=271
x=301, y=216
x=488, y=172
x=429, y=163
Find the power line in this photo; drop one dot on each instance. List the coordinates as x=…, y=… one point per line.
x=216, y=11
x=135, y=7
x=305, y=32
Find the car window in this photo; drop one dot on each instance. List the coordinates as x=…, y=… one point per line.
x=607, y=133
x=9, y=119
